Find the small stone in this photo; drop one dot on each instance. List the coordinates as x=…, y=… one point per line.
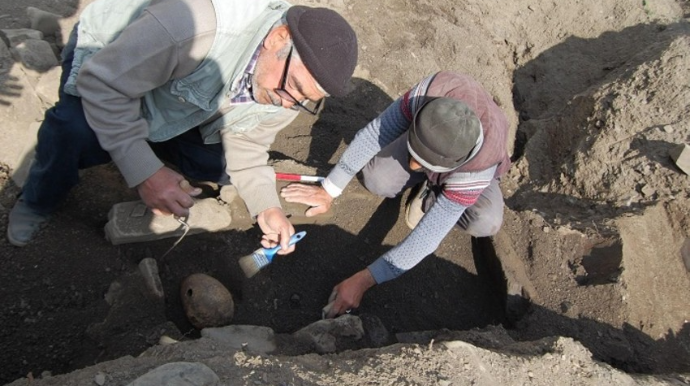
x=648, y=191
x=99, y=379
x=43, y=21
x=228, y=193
x=166, y=340
x=680, y=154
x=148, y=267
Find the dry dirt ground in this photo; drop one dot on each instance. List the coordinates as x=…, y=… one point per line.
x=596, y=218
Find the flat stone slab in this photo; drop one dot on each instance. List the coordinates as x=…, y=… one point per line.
x=178, y=374
x=132, y=221
x=255, y=339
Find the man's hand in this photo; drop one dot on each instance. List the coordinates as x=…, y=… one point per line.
x=167, y=192
x=277, y=229
x=348, y=294
x=315, y=196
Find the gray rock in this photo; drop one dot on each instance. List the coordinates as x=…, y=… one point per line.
x=15, y=37
x=99, y=379
x=36, y=55
x=148, y=268
x=44, y=21
x=323, y=335
x=254, y=339
x=178, y=374
x=376, y=332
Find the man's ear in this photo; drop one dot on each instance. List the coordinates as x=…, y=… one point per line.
x=277, y=38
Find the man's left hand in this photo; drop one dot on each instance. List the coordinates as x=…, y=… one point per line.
x=315, y=196
x=277, y=229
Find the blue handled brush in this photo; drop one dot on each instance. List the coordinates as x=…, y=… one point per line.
x=251, y=264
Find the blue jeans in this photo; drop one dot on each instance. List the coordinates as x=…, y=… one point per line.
x=66, y=143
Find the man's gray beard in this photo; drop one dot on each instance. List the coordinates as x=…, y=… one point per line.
x=275, y=102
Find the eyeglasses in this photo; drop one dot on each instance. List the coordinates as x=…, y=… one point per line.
x=308, y=106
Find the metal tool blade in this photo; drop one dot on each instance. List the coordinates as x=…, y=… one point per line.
x=185, y=226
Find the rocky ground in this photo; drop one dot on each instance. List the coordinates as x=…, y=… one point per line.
x=587, y=283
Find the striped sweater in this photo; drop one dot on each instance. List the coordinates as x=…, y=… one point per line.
x=460, y=188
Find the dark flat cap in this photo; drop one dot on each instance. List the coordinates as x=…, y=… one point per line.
x=327, y=45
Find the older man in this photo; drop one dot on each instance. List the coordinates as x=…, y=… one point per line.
x=203, y=84
x=445, y=135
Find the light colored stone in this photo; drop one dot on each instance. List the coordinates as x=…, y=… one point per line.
x=99, y=379
x=131, y=222
x=166, y=340
x=178, y=374
x=255, y=339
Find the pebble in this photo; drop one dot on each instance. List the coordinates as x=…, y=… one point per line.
x=99, y=379
x=165, y=340
x=648, y=191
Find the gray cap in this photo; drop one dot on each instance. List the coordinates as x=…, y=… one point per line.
x=445, y=134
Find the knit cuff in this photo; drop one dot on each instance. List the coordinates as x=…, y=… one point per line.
x=338, y=179
x=383, y=271
x=331, y=188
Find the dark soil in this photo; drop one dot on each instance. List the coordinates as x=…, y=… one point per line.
x=56, y=319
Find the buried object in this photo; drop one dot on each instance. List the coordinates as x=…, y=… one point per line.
x=206, y=302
